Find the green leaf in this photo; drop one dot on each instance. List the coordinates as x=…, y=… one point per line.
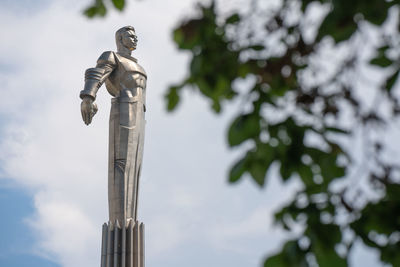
x=119, y=4
x=187, y=36
x=97, y=9
x=337, y=130
x=323, y=244
x=306, y=174
x=329, y=168
x=393, y=194
x=196, y=66
x=391, y=81
x=90, y=11
x=380, y=218
x=237, y=170
x=178, y=36
x=390, y=254
x=258, y=171
x=259, y=160
x=216, y=106
x=244, y=69
x=374, y=11
x=383, y=49
x=222, y=85
x=291, y=255
x=374, y=215
x=275, y=261
x=305, y=3
x=327, y=162
x=257, y=47
x=286, y=171
x=205, y=88
x=344, y=33
x=339, y=24
x=233, y=19
x=172, y=98
x=244, y=127
x=328, y=257
x=381, y=61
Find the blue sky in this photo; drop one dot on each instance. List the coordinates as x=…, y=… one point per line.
x=17, y=239
x=53, y=169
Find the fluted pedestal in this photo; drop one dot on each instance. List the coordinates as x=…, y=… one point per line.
x=122, y=245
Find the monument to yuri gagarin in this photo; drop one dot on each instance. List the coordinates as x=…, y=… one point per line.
x=125, y=80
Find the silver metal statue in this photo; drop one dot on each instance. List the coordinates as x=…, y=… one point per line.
x=125, y=80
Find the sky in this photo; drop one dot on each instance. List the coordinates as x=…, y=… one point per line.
x=53, y=168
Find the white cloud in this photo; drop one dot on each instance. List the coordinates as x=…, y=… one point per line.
x=64, y=232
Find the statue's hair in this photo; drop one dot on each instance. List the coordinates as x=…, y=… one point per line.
x=118, y=34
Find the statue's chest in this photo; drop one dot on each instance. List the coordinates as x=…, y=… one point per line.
x=131, y=74
x=130, y=66
x=128, y=75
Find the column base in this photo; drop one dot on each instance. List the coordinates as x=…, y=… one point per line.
x=122, y=245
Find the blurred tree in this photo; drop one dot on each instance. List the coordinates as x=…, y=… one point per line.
x=99, y=8
x=305, y=108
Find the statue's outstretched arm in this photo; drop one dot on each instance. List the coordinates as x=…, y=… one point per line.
x=94, y=78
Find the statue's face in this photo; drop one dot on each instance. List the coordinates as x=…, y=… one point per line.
x=129, y=39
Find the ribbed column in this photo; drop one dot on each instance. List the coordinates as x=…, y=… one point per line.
x=104, y=245
x=141, y=242
x=123, y=245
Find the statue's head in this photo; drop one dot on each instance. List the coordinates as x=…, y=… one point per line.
x=126, y=38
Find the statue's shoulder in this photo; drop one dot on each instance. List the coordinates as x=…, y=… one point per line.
x=107, y=57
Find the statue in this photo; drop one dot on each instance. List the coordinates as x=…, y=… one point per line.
x=125, y=79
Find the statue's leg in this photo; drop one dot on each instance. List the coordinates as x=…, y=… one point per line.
x=129, y=149
x=141, y=128
x=135, y=156
x=126, y=150
x=116, y=165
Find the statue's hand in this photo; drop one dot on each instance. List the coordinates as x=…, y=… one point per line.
x=88, y=109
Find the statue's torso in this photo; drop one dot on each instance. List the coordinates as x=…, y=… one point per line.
x=127, y=82
x=128, y=78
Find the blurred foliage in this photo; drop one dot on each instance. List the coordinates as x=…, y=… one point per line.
x=292, y=98
x=99, y=9
x=287, y=103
